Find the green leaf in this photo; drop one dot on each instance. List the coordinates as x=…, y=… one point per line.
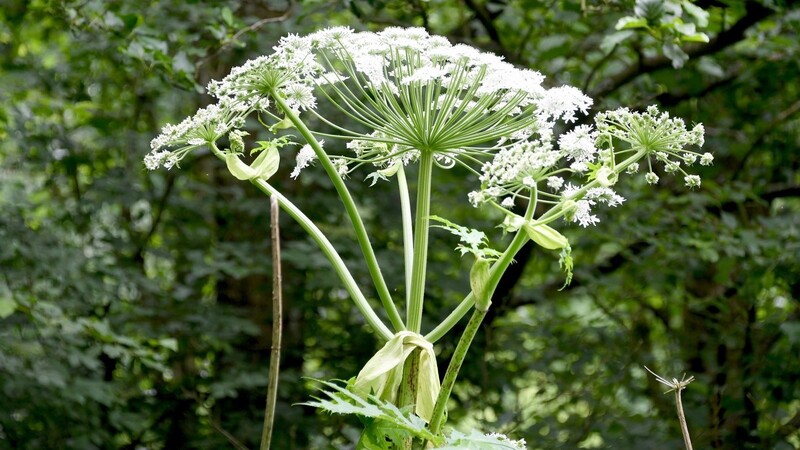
x=395, y=421
x=169, y=343
x=630, y=22
x=675, y=54
x=478, y=441
x=699, y=15
x=7, y=307
x=566, y=263
x=284, y=124
x=472, y=241
x=697, y=37
x=227, y=16
x=612, y=40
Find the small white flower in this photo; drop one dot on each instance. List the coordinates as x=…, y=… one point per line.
x=605, y=195
x=170, y=161
x=689, y=158
x=528, y=182
x=304, y=157
x=476, y=198
x=153, y=159
x=632, y=169
x=579, y=166
x=555, y=183
x=692, y=181
x=583, y=215
x=671, y=166
x=562, y=103
x=706, y=159
x=651, y=178
x=508, y=202
x=578, y=144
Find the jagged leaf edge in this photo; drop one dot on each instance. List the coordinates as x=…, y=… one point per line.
x=372, y=407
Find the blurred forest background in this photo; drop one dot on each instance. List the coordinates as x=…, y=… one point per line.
x=135, y=307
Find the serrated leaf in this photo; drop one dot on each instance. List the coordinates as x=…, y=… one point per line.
x=388, y=418
x=478, y=441
x=471, y=240
x=566, y=263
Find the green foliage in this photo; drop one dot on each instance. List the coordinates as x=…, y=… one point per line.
x=385, y=424
x=100, y=260
x=471, y=240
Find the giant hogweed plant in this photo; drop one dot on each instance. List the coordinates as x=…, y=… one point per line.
x=415, y=99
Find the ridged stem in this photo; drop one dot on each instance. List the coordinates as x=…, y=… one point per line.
x=421, y=228
x=352, y=212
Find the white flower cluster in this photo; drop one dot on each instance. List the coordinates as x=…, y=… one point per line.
x=206, y=125
x=664, y=138
x=419, y=94
x=590, y=152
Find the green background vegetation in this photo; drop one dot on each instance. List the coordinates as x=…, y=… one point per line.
x=135, y=307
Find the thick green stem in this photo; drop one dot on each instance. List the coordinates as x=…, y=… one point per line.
x=496, y=273
x=333, y=256
x=408, y=387
x=498, y=269
x=277, y=313
x=408, y=231
x=327, y=249
x=352, y=213
x=422, y=223
x=437, y=419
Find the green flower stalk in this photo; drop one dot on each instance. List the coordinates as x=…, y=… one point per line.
x=412, y=98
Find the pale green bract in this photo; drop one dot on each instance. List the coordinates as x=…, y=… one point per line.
x=382, y=374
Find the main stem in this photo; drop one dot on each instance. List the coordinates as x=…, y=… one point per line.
x=277, y=328
x=352, y=212
x=421, y=226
